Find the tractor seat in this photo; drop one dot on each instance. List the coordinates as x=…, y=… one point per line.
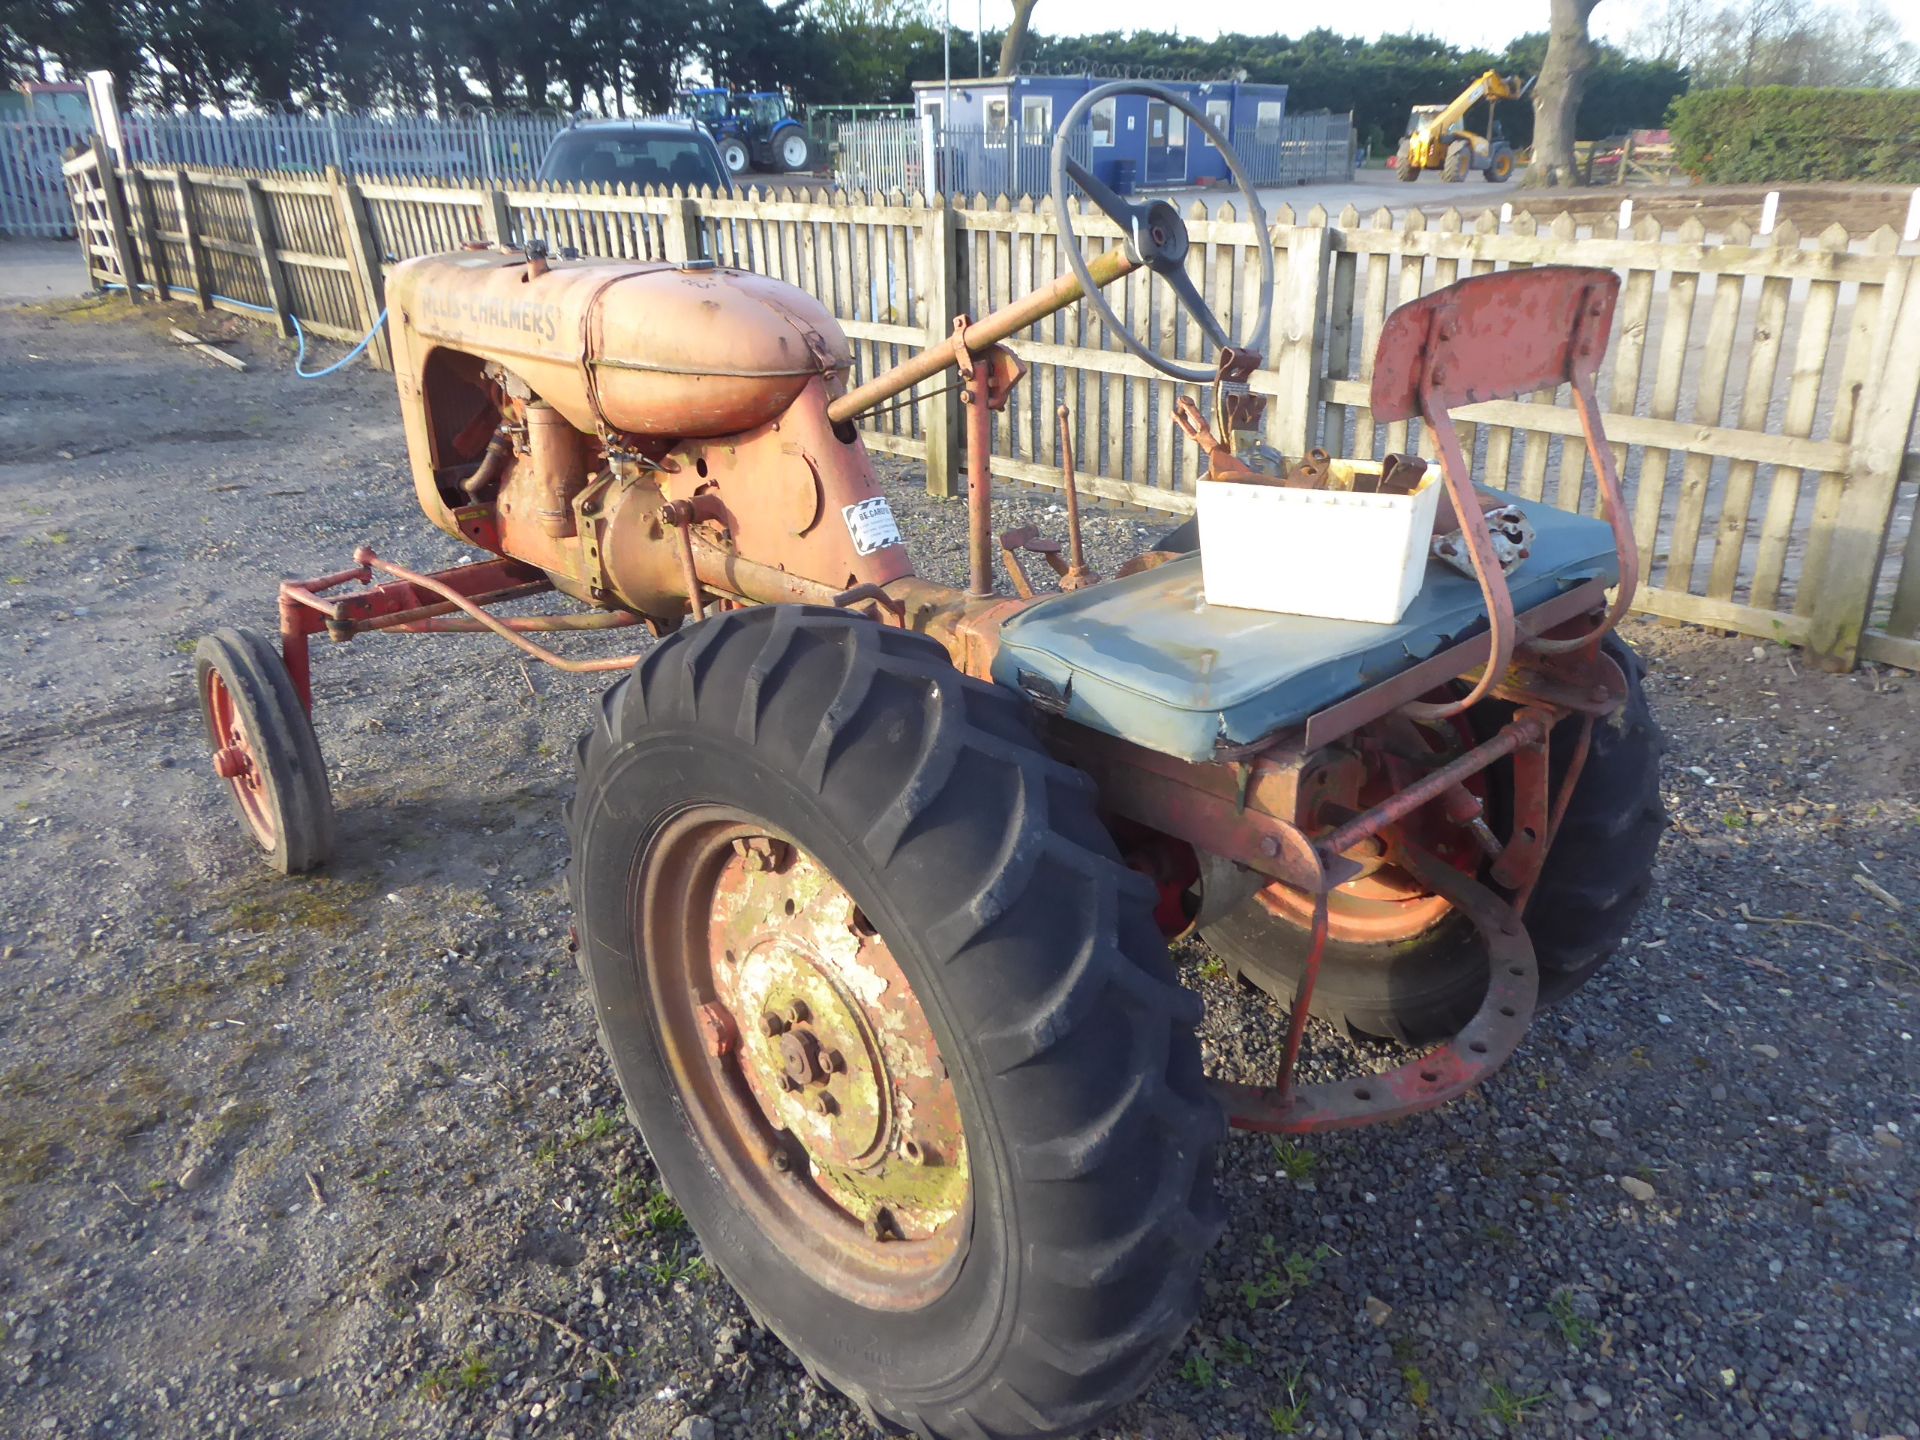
x=1148, y=660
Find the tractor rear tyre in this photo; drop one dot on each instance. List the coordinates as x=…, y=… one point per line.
x=895, y=1022
x=1499, y=165
x=265, y=749
x=1406, y=172
x=1459, y=160
x=1596, y=876
x=795, y=150
x=733, y=153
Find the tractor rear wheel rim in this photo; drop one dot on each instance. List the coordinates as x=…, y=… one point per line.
x=804, y=1061
x=236, y=762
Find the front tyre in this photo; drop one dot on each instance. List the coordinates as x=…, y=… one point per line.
x=895, y=1021
x=264, y=748
x=1406, y=172
x=795, y=151
x=734, y=154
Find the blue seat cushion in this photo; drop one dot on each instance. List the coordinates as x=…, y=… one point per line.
x=1148, y=660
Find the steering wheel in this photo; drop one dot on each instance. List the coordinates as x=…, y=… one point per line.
x=1155, y=232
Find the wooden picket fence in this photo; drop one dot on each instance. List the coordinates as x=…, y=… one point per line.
x=1761, y=390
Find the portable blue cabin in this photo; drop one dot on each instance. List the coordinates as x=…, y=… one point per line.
x=1133, y=137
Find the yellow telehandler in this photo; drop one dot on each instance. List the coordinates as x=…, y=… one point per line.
x=1436, y=140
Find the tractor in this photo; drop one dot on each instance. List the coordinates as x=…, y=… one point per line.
x=756, y=131
x=1436, y=139
x=874, y=878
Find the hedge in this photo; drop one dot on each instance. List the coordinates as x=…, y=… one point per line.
x=1779, y=132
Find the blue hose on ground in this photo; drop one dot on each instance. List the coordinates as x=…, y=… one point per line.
x=299, y=331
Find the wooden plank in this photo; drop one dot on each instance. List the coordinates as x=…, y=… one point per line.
x=232, y=362
x=183, y=199
x=1722, y=615
x=1856, y=371
x=1724, y=441
x=1150, y=496
x=1730, y=257
x=369, y=277
x=1630, y=343
x=939, y=299
x=124, y=259
x=264, y=241
x=1676, y=327
x=1299, y=333
x=1339, y=345
x=1376, y=318
x=1886, y=649
x=154, y=260
x=1756, y=398
x=1412, y=283
x=1859, y=537
x=1709, y=399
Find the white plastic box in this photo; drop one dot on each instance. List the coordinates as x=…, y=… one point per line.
x=1331, y=553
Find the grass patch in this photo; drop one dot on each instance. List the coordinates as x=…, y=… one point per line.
x=259, y=906
x=1288, y=1415
x=641, y=1209
x=1573, y=1329
x=1510, y=1407
x=1199, y=1371
x=1296, y=1162
x=1286, y=1278
x=1419, y=1390
x=472, y=1373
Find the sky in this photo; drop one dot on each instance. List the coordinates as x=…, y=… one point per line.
x=1490, y=25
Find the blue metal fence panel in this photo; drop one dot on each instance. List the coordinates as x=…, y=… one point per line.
x=33, y=195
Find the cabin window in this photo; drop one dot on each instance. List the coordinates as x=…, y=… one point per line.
x=1102, y=121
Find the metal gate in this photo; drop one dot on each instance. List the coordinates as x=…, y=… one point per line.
x=33, y=201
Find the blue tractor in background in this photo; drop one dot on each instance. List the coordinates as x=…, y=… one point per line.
x=754, y=131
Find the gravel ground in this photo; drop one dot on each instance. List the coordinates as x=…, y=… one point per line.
x=340, y=1157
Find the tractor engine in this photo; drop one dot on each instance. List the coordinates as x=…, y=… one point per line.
x=572, y=416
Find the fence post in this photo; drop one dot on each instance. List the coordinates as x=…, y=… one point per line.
x=940, y=282
x=1299, y=323
x=263, y=244
x=680, y=228
x=190, y=240
x=1844, y=604
x=115, y=201
x=497, y=216
x=356, y=238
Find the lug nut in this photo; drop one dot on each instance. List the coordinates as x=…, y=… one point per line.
x=798, y=1013
x=772, y=1024
x=823, y=1105
x=880, y=1225
x=835, y=1062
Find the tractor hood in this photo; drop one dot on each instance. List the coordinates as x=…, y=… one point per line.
x=642, y=349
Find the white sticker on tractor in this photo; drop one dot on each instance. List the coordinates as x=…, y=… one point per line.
x=871, y=525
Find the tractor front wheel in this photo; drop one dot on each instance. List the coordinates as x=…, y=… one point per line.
x=734, y=153
x=1499, y=165
x=895, y=1021
x=1459, y=160
x=265, y=749
x=1407, y=172
x=1396, y=969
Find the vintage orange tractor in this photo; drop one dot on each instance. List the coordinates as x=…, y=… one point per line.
x=874, y=879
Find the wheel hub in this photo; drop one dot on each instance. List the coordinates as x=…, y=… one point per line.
x=803, y=1060
x=837, y=1052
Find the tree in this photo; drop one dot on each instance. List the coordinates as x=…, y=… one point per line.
x=1556, y=97
x=1016, y=38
